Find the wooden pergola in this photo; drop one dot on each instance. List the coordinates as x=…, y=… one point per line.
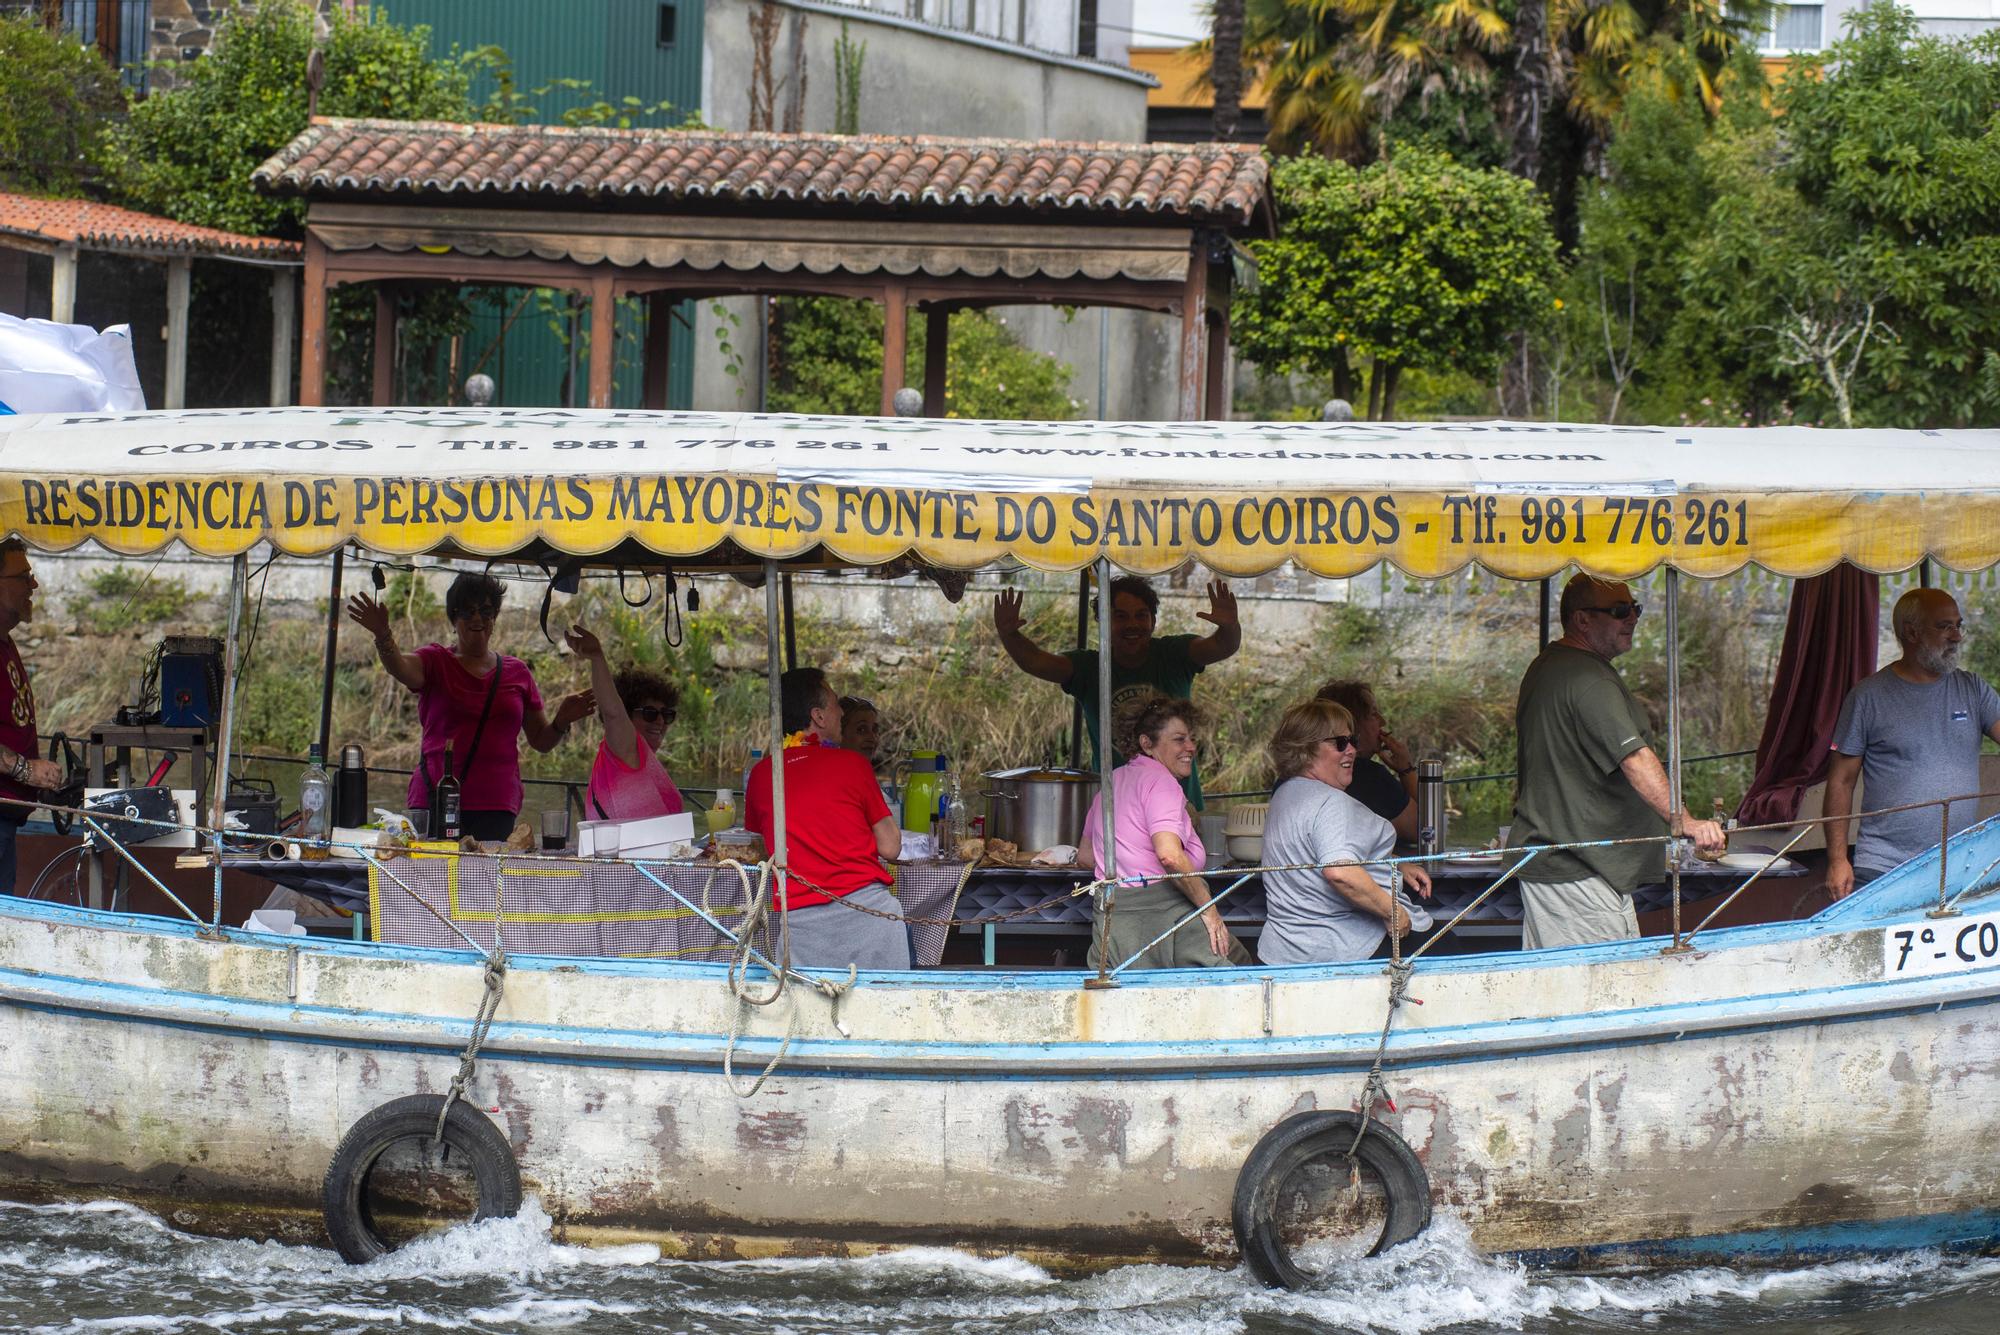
x=915, y=224
x=64, y=228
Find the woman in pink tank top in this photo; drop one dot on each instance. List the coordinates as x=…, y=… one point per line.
x=627, y=780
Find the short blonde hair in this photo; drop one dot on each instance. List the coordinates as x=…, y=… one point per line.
x=1301, y=730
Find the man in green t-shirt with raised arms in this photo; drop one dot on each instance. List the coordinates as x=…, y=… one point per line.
x=1587, y=773
x=1142, y=664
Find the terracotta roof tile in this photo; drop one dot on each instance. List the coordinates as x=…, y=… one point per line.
x=80, y=222
x=334, y=158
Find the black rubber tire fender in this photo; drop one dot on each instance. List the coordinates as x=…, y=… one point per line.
x=468, y=1133
x=1310, y=1135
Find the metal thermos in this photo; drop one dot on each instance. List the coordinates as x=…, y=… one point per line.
x=350, y=789
x=1431, y=815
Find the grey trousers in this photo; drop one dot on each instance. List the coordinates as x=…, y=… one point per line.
x=833, y=936
x=1575, y=913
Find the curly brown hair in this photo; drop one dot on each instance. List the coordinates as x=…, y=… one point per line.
x=635, y=685
x=1300, y=731
x=1148, y=717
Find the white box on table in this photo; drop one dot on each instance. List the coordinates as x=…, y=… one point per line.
x=654, y=837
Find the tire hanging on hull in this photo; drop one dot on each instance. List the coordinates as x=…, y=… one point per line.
x=468, y=1133
x=1297, y=1141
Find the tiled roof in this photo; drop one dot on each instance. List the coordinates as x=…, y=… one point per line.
x=345, y=158
x=91, y=226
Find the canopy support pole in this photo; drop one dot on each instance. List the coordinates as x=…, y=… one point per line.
x=1107, y=900
x=179, y=273
x=1924, y=573
x=1082, y=642
x=895, y=342
x=603, y=336
x=62, y=286
x=239, y=583
x=332, y=648
x=791, y=637
x=776, y=755
x=937, y=355
x=284, y=315
x=1676, y=799
x=312, y=325
x=383, y=378
x=1542, y=623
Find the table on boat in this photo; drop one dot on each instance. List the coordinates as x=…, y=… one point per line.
x=571, y=906
x=995, y=893
x=1030, y=901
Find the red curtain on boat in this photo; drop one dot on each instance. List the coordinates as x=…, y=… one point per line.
x=1829, y=646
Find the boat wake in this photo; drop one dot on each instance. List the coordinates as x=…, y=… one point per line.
x=105, y=1266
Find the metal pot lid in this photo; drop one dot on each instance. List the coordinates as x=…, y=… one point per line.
x=1042, y=774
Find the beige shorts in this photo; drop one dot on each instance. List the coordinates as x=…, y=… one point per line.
x=1575, y=913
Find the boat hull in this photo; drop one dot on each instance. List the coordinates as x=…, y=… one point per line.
x=1776, y=1092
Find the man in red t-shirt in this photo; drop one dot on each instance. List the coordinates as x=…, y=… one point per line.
x=20, y=772
x=838, y=834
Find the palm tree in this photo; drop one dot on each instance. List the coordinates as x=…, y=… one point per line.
x=1226, y=67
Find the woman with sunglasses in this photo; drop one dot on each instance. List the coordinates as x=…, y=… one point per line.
x=474, y=698
x=627, y=780
x=1156, y=839
x=1329, y=907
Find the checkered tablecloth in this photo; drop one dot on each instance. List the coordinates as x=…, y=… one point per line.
x=569, y=906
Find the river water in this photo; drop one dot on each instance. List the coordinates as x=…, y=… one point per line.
x=110, y=1267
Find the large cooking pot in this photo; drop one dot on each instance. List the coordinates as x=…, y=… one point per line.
x=1036, y=808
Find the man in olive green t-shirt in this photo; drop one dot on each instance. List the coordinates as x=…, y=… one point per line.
x=1587, y=773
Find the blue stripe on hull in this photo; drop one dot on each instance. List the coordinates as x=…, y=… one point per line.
x=1969, y=1230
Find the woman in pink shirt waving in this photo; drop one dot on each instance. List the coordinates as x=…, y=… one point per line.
x=1155, y=837
x=473, y=698
x=627, y=780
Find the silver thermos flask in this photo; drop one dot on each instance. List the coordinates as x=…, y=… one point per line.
x=1431, y=817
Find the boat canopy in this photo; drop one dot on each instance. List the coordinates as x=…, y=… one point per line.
x=1522, y=499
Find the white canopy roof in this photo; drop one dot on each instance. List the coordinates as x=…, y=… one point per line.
x=1520, y=498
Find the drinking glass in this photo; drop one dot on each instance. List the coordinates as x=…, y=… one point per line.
x=555, y=830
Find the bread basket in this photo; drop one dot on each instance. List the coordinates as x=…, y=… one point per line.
x=1245, y=831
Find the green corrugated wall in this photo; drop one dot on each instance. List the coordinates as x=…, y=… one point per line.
x=614, y=46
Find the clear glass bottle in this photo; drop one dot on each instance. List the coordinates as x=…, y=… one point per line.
x=315, y=807
x=722, y=815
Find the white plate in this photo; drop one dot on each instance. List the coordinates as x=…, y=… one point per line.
x=1738, y=862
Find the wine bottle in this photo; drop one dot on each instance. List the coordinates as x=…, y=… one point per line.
x=445, y=814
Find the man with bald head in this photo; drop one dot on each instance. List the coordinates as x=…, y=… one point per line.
x=1587, y=773
x=1911, y=734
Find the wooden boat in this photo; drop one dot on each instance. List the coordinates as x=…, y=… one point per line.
x=1799, y=1087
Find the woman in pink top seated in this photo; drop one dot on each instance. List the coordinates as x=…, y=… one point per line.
x=475, y=699
x=627, y=780
x=1155, y=838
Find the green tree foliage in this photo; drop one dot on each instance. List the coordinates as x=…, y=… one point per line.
x=828, y=359
x=1413, y=261
x=58, y=98
x=1836, y=262
x=1893, y=141
x=187, y=152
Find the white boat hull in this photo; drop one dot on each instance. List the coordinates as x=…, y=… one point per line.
x=1778, y=1090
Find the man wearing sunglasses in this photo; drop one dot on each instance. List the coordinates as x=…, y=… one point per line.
x=1587, y=774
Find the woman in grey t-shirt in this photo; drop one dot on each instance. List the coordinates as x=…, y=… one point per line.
x=1325, y=912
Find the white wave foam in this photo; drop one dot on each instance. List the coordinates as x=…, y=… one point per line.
x=903, y=1265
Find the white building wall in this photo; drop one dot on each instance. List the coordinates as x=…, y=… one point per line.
x=918, y=79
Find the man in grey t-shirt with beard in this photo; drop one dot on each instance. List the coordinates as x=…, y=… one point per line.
x=1911, y=733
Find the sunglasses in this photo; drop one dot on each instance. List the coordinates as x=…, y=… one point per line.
x=1341, y=741
x=1619, y=611
x=653, y=714
x=487, y=614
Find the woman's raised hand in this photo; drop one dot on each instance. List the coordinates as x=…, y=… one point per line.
x=368, y=614
x=574, y=707
x=583, y=643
